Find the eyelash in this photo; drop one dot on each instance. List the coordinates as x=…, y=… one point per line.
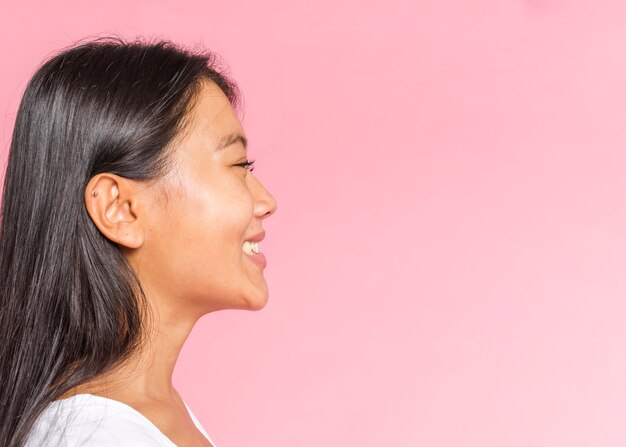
x=247, y=165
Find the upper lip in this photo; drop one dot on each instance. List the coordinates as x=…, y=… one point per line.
x=257, y=237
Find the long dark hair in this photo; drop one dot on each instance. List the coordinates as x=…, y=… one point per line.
x=71, y=307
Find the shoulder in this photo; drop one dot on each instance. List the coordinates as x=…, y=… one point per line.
x=81, y=421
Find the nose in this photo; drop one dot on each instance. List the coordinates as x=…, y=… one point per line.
x=264, y=203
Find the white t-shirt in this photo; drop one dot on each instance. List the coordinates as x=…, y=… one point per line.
x=96, y=421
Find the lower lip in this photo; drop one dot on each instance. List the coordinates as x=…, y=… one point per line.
x=258, y=259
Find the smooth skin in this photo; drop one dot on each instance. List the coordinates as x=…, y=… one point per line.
x=183, y=237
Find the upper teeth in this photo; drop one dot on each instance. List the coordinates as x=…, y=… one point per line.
x=251, y=247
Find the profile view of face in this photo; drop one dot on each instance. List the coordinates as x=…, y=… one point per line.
x=193, y=252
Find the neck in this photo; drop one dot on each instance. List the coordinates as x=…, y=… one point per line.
x=146, y=375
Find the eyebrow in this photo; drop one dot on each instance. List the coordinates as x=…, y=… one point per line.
x=231, y=139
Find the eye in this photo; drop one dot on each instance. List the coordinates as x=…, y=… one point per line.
x=247, y=165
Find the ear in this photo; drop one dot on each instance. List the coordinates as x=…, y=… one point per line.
x=112, y=203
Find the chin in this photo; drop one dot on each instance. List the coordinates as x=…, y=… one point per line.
x=256, y=303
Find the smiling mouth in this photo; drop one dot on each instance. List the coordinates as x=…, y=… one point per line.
x=257, y=258
x=251, y=248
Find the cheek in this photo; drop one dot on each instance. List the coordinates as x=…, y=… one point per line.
x=195, y=251
x=219, y=215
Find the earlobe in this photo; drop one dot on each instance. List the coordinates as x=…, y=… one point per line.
x=112, y=203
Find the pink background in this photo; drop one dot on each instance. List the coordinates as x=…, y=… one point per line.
x=446, y=264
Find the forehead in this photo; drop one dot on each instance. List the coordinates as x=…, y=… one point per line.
x=212, y=117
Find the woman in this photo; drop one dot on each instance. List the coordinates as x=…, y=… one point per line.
x=129, y=210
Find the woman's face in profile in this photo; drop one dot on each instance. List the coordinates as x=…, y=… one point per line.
x=194, y=240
